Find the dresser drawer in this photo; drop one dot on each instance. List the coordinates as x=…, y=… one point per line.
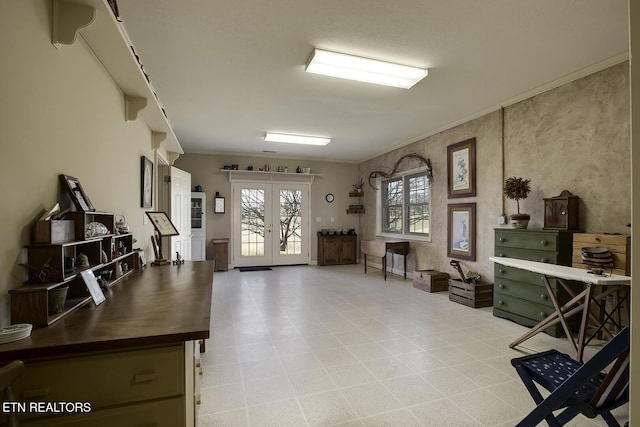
x=106, y=379
x=511, y=273
x=162, y=413
x=524, y=308
x=527, y=240
x=530, y=255
x=535, y=293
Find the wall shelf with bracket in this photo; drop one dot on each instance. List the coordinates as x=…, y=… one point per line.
x=270, y=176
x=106, y=37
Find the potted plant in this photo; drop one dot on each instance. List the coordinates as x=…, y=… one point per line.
x=518, y=189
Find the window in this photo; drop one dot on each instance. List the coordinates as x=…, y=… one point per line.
x=405, y=205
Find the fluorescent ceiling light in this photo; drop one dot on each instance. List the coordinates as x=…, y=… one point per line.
x=296, y=139
x=364, y=69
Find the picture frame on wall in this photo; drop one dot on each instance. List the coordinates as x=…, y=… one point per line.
x=146, y=183
x=461, y=231
x=461, y=169
x=76, y=192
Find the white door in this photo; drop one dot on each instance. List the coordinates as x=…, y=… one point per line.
x=270, y=223
x=181, y=213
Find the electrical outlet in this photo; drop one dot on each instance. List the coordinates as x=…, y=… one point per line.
x=318, y=219
x=332, y=219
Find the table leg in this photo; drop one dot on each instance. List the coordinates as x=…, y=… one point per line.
x=365, y=263
x=561, y=316
x=583, y=324
x=384, y=266
x=405, y=266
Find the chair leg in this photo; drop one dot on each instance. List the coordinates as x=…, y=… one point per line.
x=538, y=414
x=610, y=419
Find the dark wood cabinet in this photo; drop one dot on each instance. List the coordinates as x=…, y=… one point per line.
x=520, y=295
x=337, y=249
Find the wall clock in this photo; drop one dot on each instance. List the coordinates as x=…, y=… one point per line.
x=329, y=198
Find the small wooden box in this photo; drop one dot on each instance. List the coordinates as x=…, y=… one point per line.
x=471, y=295
x=430, y=280
x=54, y=231
x=561, y=212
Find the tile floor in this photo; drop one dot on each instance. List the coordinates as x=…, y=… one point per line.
x=330, y=346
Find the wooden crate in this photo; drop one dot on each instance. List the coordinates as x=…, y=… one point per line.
x=618, y=244
x=430, y=280
x=471, y=295
x=54, y=231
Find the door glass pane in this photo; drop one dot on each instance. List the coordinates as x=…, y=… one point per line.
x=252, y=222
x=290, y=222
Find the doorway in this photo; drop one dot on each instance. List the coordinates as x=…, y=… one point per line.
x=270, y=223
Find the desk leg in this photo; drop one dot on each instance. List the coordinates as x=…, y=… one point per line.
x=365, y=263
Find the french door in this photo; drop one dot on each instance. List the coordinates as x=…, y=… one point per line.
x=270, y=223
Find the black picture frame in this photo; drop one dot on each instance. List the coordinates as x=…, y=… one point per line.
x=76, y=192
x=461, y=169
x=146, y=183
x=461, y=231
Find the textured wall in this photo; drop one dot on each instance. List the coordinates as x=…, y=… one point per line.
x=575, y=137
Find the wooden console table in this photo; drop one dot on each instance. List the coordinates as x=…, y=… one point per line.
x=580, y=303
x=134, y=358
x=379, y=248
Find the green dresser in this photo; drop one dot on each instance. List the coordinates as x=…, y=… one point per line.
x=520, y=295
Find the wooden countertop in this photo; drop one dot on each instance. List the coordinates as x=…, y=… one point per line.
x=155, y=306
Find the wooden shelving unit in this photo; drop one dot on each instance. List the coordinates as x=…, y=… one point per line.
x=351, y=210
x=110, y=256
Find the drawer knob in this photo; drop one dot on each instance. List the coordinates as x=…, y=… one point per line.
x=543, y=242
x=502, y=239
x=544, y=260
x=543, y=314
x=543, y=297
x=563, y=212
x=500, y=302
x=501, y=271
x=501, y=286
x=598, y=239
x=500, y=254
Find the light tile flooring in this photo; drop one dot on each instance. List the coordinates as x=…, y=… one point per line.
x=331, y=346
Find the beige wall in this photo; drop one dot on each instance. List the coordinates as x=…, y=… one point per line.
x=575, y=138
x=336, y=179
x=60, y=112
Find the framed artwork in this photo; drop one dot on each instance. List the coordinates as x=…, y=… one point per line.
x=146, y=182
x=461, y=231
x=218, y=204
x=461, y=169
x=92, y=285
x=162, y=224
x=78, y=196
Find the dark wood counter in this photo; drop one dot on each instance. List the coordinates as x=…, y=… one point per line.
x=155, y=306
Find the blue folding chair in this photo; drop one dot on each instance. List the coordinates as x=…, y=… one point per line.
x=575, y=387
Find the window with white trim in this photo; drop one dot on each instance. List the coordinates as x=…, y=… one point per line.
x=405, y=202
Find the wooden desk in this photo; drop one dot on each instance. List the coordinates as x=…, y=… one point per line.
x=134, y=357
x=580, y=303
x=380, y=248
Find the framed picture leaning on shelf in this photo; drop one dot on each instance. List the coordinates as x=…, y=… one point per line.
x=77, y=194
x=146, y=182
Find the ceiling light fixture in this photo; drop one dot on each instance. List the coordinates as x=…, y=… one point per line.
x=296, y=139
x=363, y=69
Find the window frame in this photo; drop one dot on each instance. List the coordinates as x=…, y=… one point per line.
x=381, y=210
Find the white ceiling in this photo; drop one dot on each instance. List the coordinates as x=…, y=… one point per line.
x=228, y=71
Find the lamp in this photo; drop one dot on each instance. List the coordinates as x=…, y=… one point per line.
x=296, y=139
x=364, y=69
